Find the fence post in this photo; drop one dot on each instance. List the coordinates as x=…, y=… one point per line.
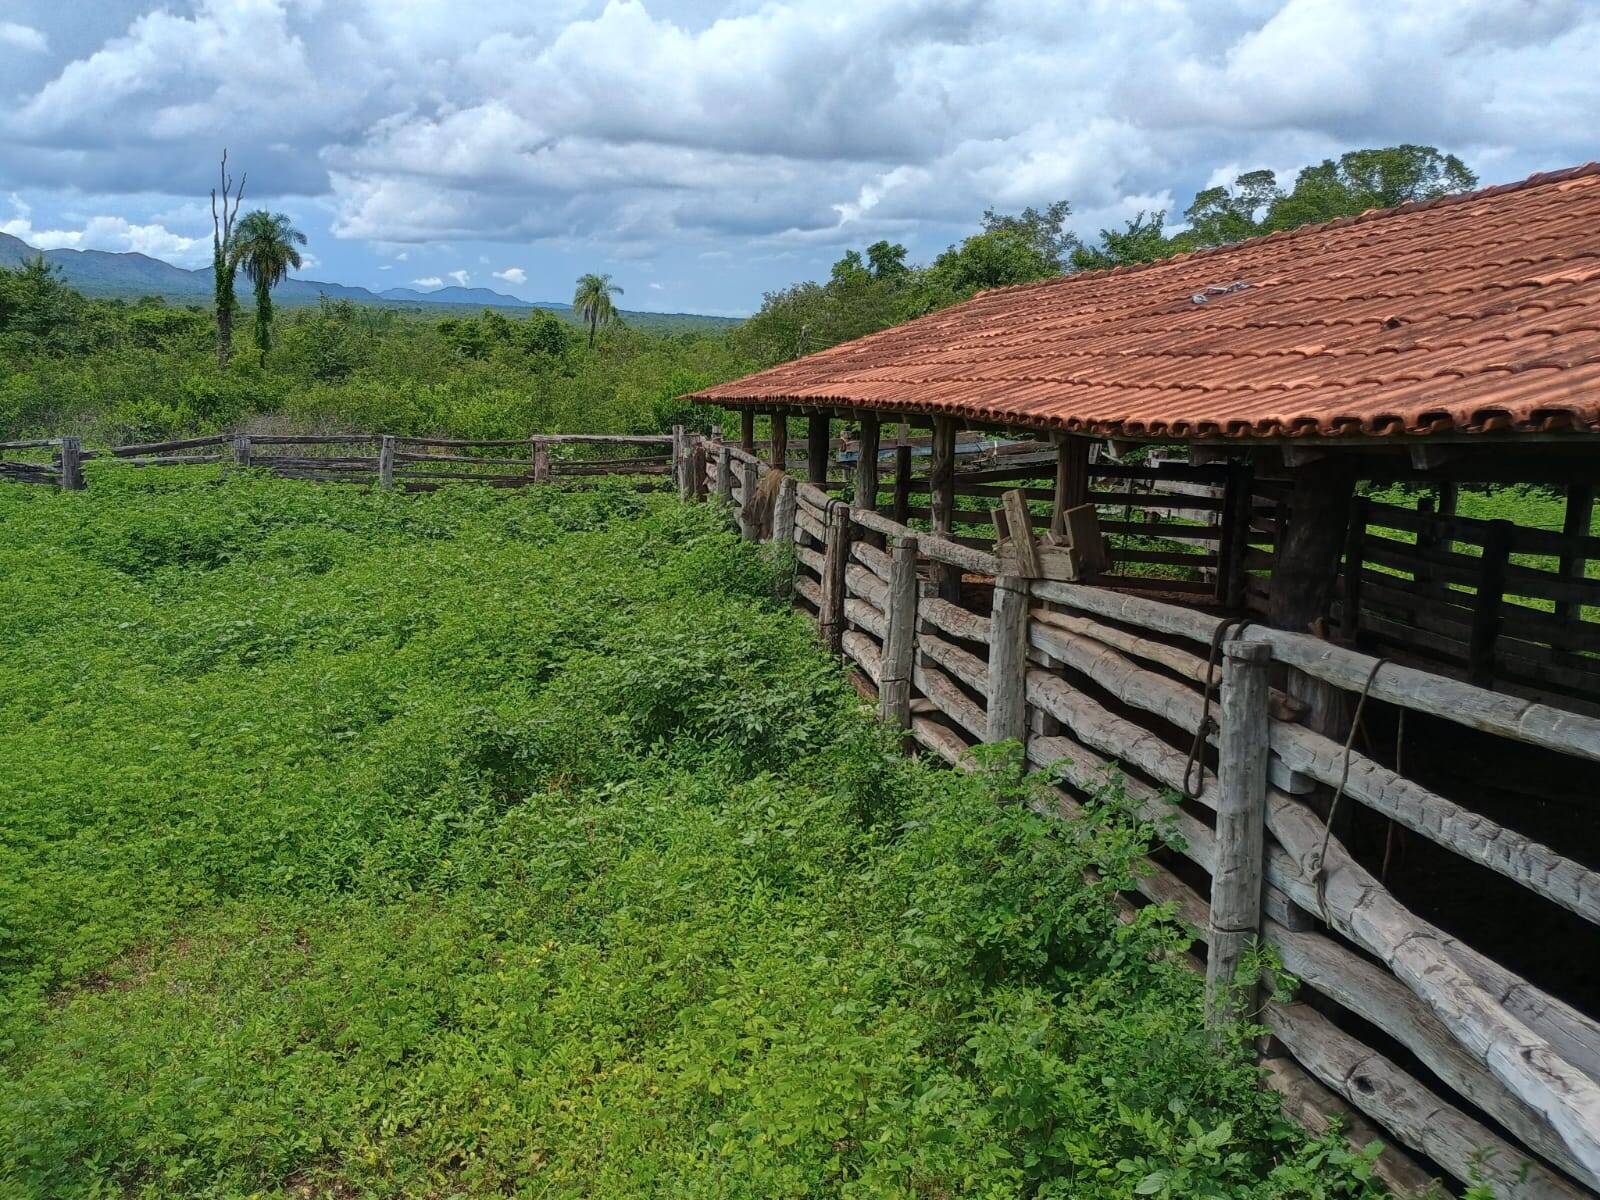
x=541, y=460
x=1241, y=820
x=749, y=516
x=241, y=449
x=724, y=475
x=71, y=464
x=1008, y=661
x=900, y=640
x=386, y=461
x=835, y=558
x=697, y=470
x=680, y=461
x=783, y=516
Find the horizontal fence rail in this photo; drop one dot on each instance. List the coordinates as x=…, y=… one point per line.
x=1446, y=1051
x=385, y=460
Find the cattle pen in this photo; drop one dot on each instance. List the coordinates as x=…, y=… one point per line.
x=1146, y=519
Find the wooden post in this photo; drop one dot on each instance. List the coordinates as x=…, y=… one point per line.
x=1574, y=563
x=1072, y=478
x=1241, y=820
x=783, y=515
x=1008, y=661
x=942, y=501
x=697, y=470
x=541, y=460
x=1486, y=605
x=1233, y=537
x=1355, y=555
x=724, y=475
x=867, y=464
x=780, y=441
x=749, y=517
x=817, y=449
x=241, y=449
x=71, y=464
x=747, y=429
x=835, y=559
x=680, y=461
x=386, y=461
x=900, y=642
x=902, y=482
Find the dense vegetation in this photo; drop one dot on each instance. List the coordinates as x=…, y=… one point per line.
x=362, y=844
x=115, y=371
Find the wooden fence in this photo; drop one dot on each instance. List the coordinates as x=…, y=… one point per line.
x=388, y=460
x=1396, y=1022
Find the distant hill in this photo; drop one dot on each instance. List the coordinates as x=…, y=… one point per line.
x=127, y=276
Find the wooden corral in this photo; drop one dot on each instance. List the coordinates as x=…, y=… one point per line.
x=1223, y=690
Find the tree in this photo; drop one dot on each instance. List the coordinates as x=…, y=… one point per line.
x=1045, y=231
x=1364, y=179
x=264, y=245
x=1221, y=215
x=593, y=302
x=1143, y=239
x=223, y=265
x=887, y=260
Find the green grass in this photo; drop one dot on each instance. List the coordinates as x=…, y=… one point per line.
x=469, y=844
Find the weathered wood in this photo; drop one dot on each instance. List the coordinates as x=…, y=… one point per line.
x=1486, y=605
x=902, y=482
x=401, y=456
x=817, y=449
x=1477, y=708
x=1081, y=528
x=177, y=460
x=1072, y=478
x=859, y=581
x=1408, y=1109
x=747, y=430
x=783, y=516
x=836, y=559
x=866, y=494
x=724, y=475
x=386, y=461
x=541, y=460
x=146, y=448
x=940, y=549
x=1020, y=534
x=863, y=614
x=265, y=439
x=1577, y=522
x=875, y=560
x=43, y=443
x=70, y=458
x=953, y=619
x=697, y=470
x=901, y=636
x=778, y=453
x=749, y=508
x=949, y=699
x=1241, y=821
x=241, y=449
x=1008, y=663
x=1307, y=555
x=1233, y=537
x=942, y=500
x=946, y=743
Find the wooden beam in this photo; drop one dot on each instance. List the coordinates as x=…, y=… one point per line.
x=780, y=441
x=1579, y=519
x=1072, y=478
x=1006, y=710
x=867, y=463
x=900, y=639
x=747, y=429
x=942, y=499
x=902, y=481
x=817, y=448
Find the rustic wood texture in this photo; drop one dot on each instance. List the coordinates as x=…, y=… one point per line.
x=836, y=559
x=70, y=462
x=1008, y=662
x=901, y=636
x=1241, y=821
x=942, y=500
x=386, y=461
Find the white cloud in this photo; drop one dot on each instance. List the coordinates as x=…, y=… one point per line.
x=513, y=275
x=109, y=233
x=23, y=37
x=428, y=281
x=460, y=277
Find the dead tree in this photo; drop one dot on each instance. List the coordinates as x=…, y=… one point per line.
x=223, y=266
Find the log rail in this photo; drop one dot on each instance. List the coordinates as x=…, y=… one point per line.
x=1495, y=1075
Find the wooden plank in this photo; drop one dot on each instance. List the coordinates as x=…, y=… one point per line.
x=1008, y=663
x=901, y=636
x=1241, y=822
x=1021, y=534
x=142, y=449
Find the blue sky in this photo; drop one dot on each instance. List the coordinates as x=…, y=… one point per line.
x=703, y=153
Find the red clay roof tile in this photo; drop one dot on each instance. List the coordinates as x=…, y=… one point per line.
x=1472, y=313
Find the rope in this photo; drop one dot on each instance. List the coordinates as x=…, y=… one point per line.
x=1319, y=860
x=1193, y=778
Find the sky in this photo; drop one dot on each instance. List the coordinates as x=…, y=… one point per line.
x=704, y=153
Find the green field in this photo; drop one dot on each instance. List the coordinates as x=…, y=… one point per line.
x=469, y=844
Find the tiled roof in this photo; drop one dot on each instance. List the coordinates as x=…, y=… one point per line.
x=1471, y=313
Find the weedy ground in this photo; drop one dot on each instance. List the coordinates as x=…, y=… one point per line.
x=357, y=844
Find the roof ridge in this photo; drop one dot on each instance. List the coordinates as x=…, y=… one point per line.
x=1538, y=179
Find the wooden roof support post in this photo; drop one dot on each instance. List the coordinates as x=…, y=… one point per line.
x=1241, y=825
x=899, y=644
x=902, y=478
x=780, y=441
x=942, y=501
x=1234, y=536
x=1579, y=517
x=747, y=429
x=867, y=464
x=817, y=448
x=1072, y=478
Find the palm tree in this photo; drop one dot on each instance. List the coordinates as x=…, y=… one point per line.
x=593, y=301
x=264, y=245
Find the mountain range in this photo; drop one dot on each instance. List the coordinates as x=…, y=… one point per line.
x=108, y=275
